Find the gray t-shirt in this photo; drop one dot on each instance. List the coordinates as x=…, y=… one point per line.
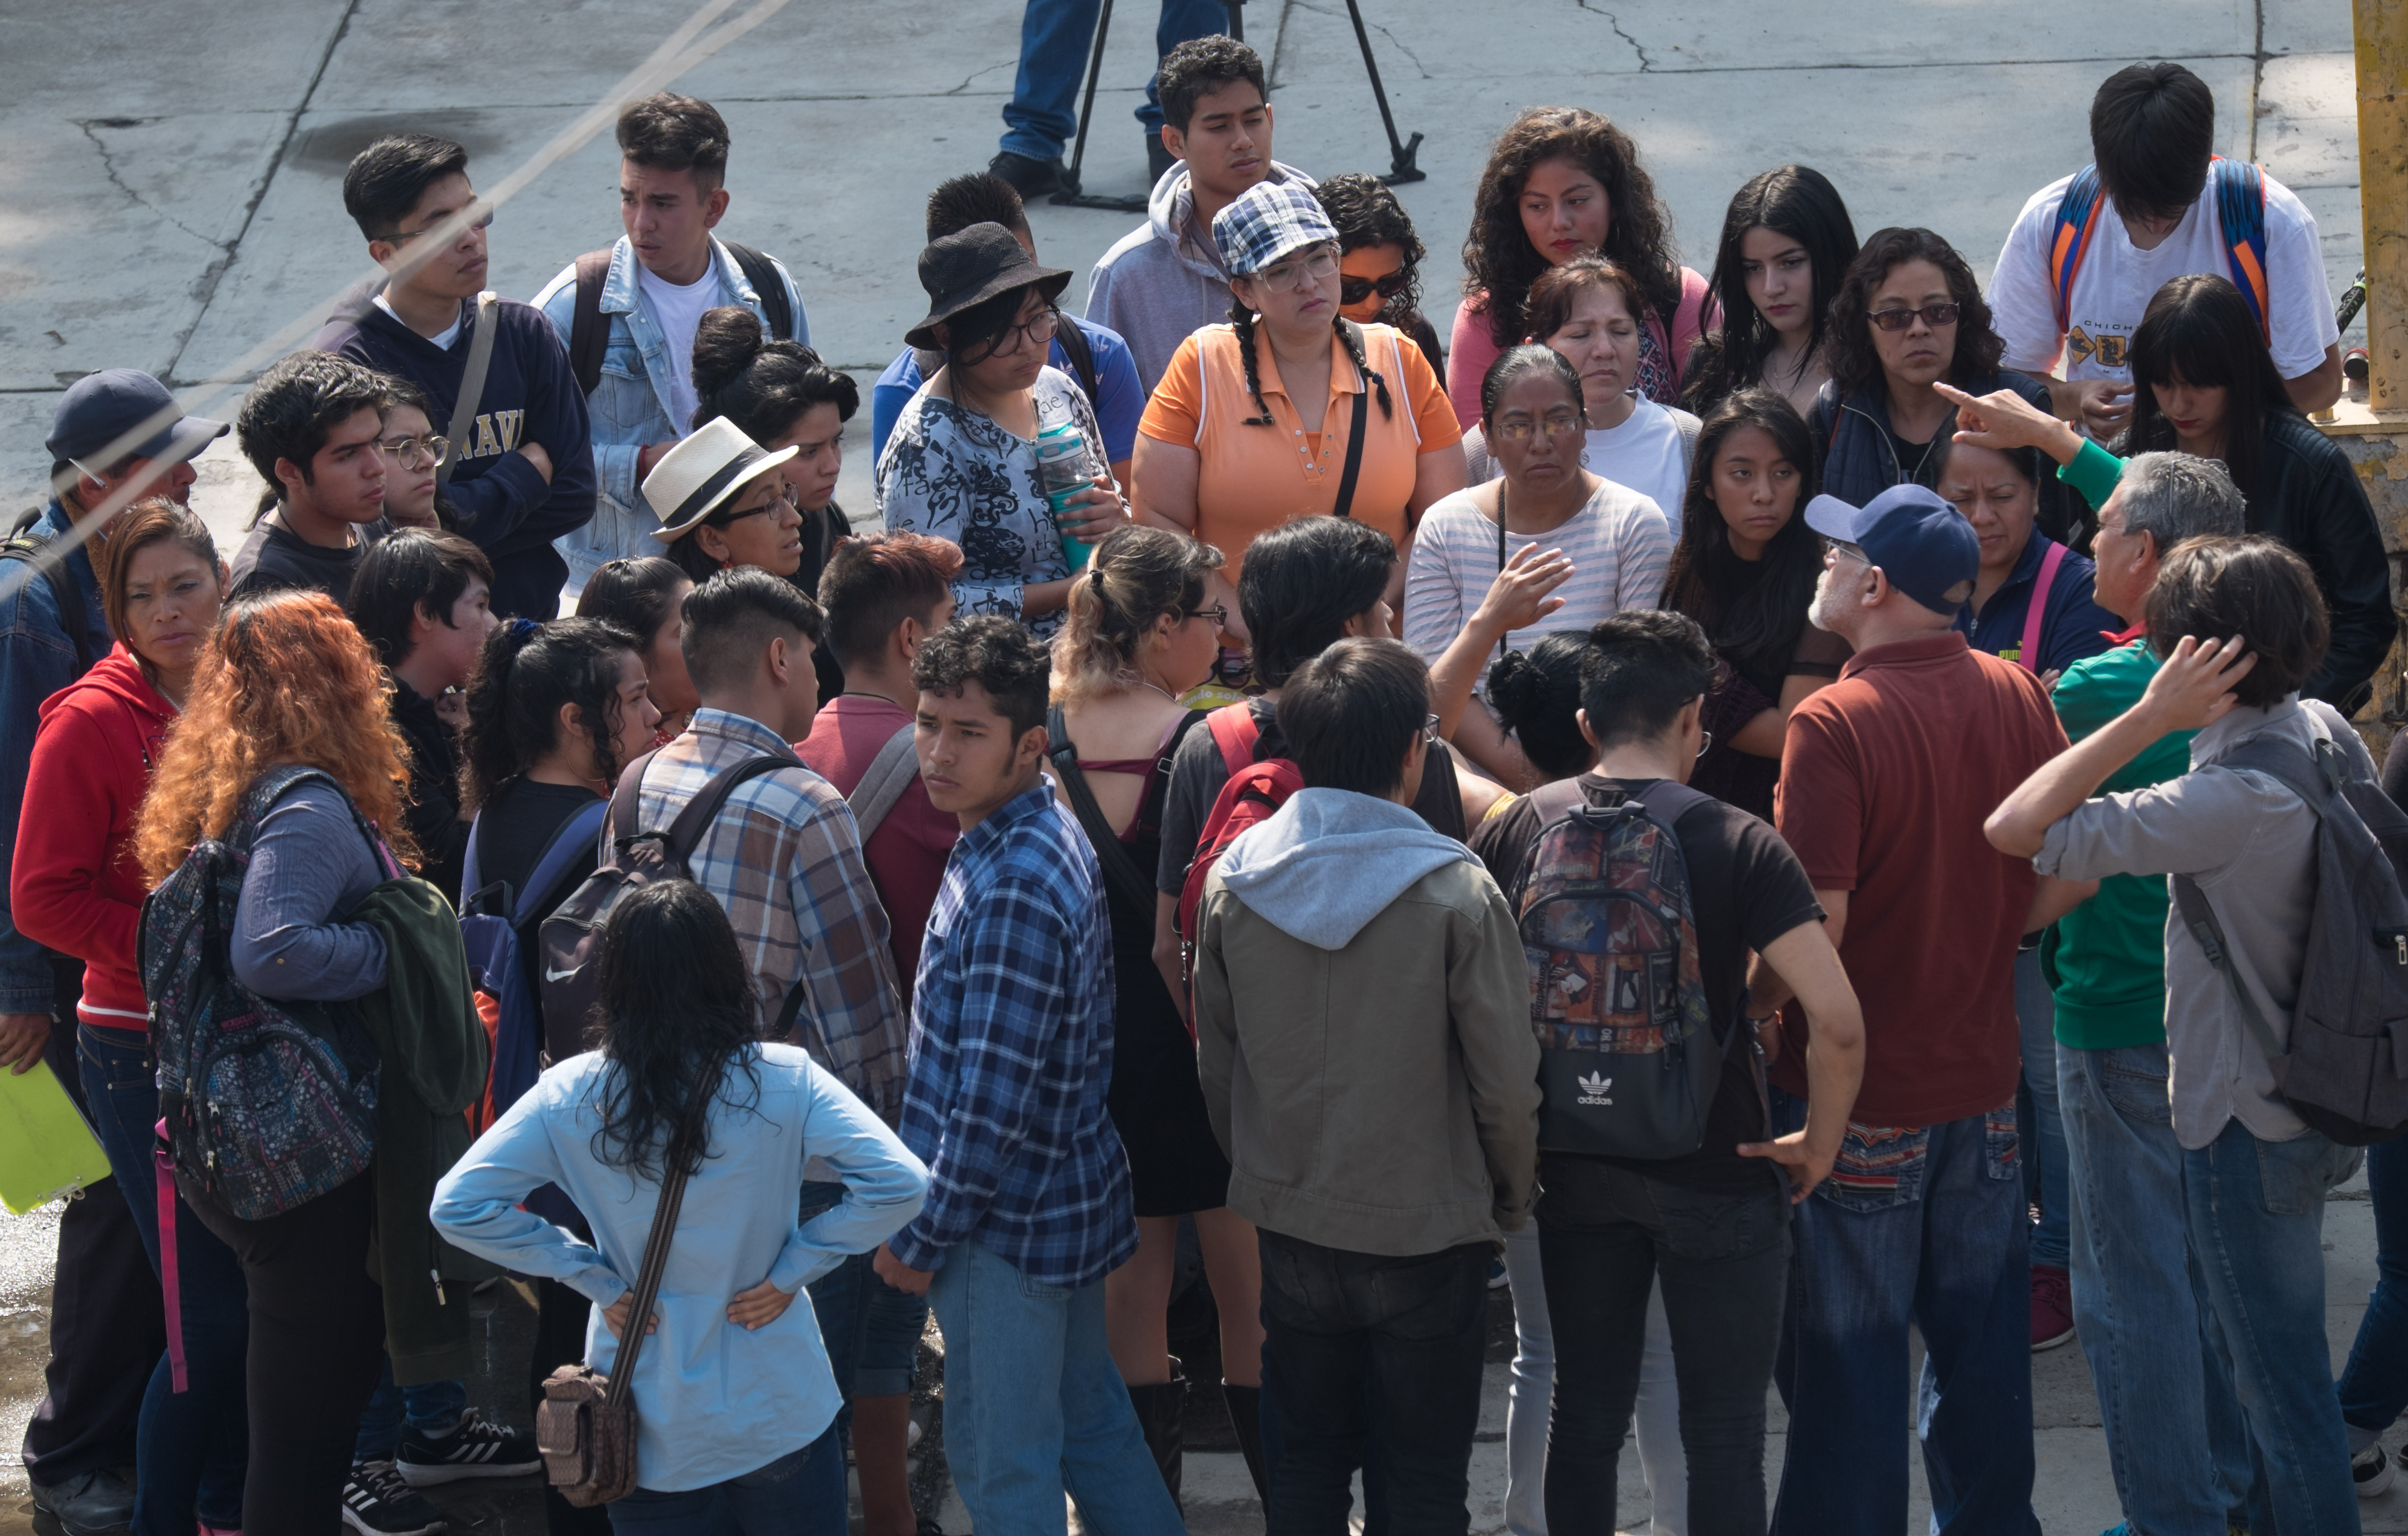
x=309, y=865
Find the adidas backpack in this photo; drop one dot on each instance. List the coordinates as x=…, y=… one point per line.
x=268, y=1104
x=1254, y=791
x=2346, y=1071
x=1628, y=1063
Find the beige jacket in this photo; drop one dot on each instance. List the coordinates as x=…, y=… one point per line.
x=1380, y=1098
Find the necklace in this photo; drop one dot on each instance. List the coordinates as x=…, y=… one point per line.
x=1148, y=682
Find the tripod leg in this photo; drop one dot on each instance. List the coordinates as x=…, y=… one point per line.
x=1236, y=20
x=1087, y=104
x=1401, y=155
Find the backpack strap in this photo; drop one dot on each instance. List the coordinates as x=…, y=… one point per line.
x=29, y=546
x=2077, y=217
x=762, y=273
x=696, y=818
x=621, y=822
x=575, y=835
x=1236, y=733
x=2241, y=208
x=2200, y=919
x=1344, y=506
x=1667, y=802
x=472, y=384
x=1082, y=356
x=1119, y=869
x=589, y=334
x=882, y=787
x=2036, y=611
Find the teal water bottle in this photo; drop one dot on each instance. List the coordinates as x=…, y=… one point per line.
x=1064, y=468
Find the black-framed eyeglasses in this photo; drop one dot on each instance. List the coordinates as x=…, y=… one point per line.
x=1352, y=291
x=779, y=498
x=416, y=453
x=484, y=219
x=1937, y=316
x=1038, y=331
x=1218, y=613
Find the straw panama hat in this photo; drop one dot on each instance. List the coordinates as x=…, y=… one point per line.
x=699, y=475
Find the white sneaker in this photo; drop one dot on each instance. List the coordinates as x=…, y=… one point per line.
x=2370, y=1469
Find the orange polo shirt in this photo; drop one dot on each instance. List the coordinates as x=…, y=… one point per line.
x=1255, y=477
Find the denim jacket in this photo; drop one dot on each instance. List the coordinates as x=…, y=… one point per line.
x=629, y=407
x=37, y=658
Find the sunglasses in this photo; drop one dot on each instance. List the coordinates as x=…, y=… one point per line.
x=1218, y=613
x=1934, y=315
x=1355, y=290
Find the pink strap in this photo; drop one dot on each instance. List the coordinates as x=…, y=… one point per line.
x=170, y=1292
x=2028, y=658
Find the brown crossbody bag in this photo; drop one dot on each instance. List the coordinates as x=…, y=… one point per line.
x=585, y=1427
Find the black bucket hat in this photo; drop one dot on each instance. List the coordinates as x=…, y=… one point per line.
x=973, y=265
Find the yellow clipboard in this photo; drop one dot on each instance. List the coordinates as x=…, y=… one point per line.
x=47, y=1149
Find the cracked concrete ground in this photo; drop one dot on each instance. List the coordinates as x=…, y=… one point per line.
x=172, y=198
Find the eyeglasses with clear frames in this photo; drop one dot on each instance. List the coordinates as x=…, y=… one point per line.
x=416, y=453
x=1558, y=423
x=484, y=219
x=1429, y=730
x=1299, y=272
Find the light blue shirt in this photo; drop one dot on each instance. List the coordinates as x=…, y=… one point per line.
x=713, y=1400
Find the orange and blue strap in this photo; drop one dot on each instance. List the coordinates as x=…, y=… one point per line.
x=2241, y=210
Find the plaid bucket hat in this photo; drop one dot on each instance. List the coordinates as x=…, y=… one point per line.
x=1271, y=220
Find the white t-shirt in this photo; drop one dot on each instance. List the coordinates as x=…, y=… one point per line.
x=1618, y=544
x=679, y=312
x=2115, y=281
x=442, y=338
x=1649, y=452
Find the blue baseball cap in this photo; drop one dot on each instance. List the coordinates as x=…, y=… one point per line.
x=100, y=407
x=1920, y=542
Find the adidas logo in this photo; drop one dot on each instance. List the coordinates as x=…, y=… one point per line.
x=1593, y=1086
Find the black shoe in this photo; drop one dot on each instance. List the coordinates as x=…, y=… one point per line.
x=1161, y=1416
x=93, y=1503
x=376, y=1502
x=1030, y=177
x=475, y=1447
x=1158, y=158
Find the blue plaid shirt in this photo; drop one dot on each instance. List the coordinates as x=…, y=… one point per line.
x=1012, y=1047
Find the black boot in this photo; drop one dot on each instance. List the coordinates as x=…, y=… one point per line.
x=1162, y=1414
x=1246, y=1418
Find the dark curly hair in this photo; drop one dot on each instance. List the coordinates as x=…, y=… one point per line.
x=1500, y=264
x=1798, y=201
x=525, y=673
x=1537, y=696
x=1848, y=345
x=1366, y=213
x=295, y=404
x=995, y=654
x=761, y=386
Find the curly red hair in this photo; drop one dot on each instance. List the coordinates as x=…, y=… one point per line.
x=286, y=679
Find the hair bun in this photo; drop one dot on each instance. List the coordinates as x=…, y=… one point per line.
x=726, y=341
x=1517, y=688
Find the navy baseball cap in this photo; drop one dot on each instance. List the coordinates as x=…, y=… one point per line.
x=100, y=407
x=1921, y=543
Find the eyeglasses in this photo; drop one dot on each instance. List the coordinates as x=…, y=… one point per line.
x=1038, y=332
x=779, y=498
x=1559, y=424
x=1841, y=547
x=1299, y=271
x=1355, y=290
x=1937, y=316
x=1218, y=613
x=416, y=453
x=1429, y=730
x=1705, y=743
x=484, y=219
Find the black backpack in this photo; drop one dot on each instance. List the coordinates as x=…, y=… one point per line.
x=26, y=544
x=568, y=944
x=589, y=334
x=2346, y=1072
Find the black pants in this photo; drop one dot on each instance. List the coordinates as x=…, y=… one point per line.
x=560, y=1317
x=1605, y=1237
x=317, y=1349
x=1349, y=1334
x=108, y=1327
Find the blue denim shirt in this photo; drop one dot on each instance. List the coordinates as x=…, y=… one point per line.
x=37, y=658
x=630, y=406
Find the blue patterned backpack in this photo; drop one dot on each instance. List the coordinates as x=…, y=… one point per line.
x=268, y=1104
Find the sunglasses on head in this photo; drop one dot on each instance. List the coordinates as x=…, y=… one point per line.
x=1355, y=290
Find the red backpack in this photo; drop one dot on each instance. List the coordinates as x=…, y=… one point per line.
x=1254, y=791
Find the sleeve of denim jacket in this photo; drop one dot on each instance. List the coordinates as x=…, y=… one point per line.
x=36, y=660
x=885, y=1184
x=614, y=464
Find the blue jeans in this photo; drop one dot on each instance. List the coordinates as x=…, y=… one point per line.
x=799, y=1494
x=2374, y=1388
x=189, y=1445
x=1926, y=1226
x=1056, y=37
x=432, y=1408
x=2133, y=1304
x=2042, y=1130
x=2256, y=1213
x=1034, y=1406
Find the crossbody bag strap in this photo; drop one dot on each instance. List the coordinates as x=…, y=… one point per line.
x=1344, y=506
x=472, y=384
x=2036, y=610
x=648, y=1285
x=2199, y=918
x=1110, y=852
x=623, y=806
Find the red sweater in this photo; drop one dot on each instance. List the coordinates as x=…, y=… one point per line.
x=77, y=887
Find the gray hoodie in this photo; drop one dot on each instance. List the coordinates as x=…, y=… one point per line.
x=1363, y=1031
x=1164, y=281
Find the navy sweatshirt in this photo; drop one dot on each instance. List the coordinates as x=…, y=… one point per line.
x=530, y=396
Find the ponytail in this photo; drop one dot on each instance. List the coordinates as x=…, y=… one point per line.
x=1137, y=575
x=526, y=674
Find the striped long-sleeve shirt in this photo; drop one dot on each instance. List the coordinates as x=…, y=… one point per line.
x=1011, y=1048
x=1618, y=542
x=783, y=857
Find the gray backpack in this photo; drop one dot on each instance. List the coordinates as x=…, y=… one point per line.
x=2346, y=1070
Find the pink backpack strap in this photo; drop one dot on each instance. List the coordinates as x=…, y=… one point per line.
x=171, y=1287
x=2036, y=612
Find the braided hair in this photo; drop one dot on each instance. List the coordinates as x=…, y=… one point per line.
x=1241, y=321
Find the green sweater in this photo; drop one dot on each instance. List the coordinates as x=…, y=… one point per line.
x=2106, y=959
